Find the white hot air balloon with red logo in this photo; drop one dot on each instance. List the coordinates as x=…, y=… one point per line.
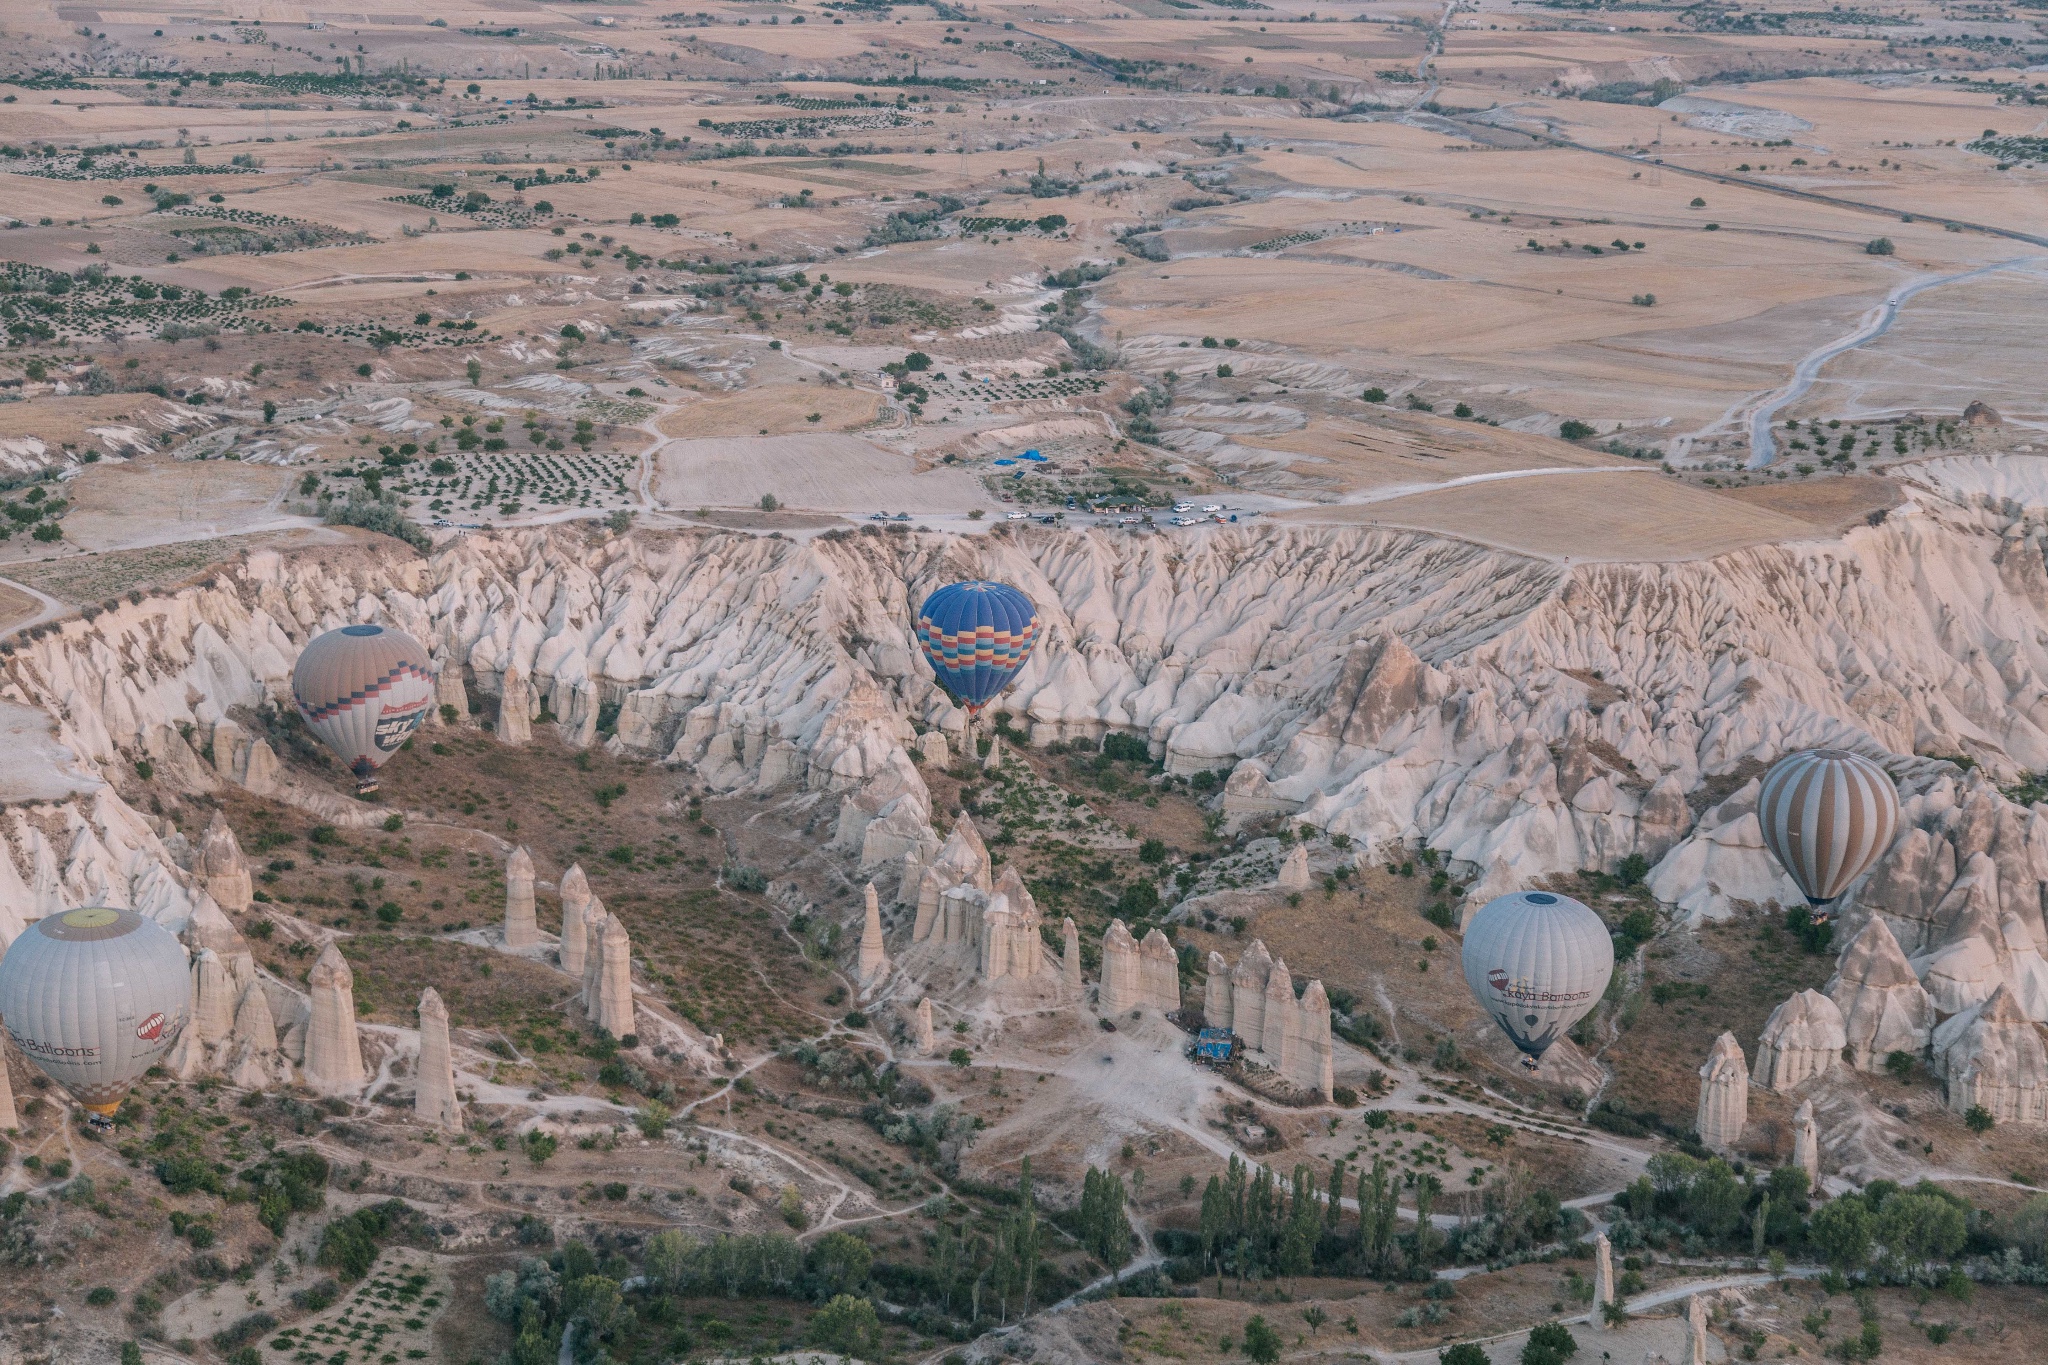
x=363, y=690
x=1537, y=962
x=94, y=997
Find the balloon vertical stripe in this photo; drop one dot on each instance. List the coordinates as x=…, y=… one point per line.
x=1827, y=814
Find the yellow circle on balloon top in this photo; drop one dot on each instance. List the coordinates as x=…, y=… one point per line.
x=91, y=917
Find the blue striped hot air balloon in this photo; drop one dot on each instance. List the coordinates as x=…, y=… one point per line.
x=977, y=636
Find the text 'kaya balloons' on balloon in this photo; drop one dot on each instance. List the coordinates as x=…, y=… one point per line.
x=977, y=636
x=1826, y=815
x=94, y=997
x=1537, y=962
x=363, y=690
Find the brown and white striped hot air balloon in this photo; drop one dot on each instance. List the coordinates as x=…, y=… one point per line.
x=364, y=690
x=1827, y=814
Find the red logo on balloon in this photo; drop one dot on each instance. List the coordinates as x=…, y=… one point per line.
x=1498, y=979
x=152, y=1028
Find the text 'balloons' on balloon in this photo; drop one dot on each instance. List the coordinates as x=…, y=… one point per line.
x=1537, y=962
x=94, y=997
x=1826, y=815
x=363, y=690
x=977, y=636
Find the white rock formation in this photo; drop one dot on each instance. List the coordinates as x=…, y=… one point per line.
x=874, y=954
x=962, y=862
x=1521, y=716
x=522, y=930
x=576, y=903
x=8, y=1118
x=1803, y=1038
x=213, y=1000
x=257, y=1063
x=515, y=707
x=334, y=1054
x=1806, y=1143
x=1724, y=1095
x=434, y=1098
x=926, y=1041
x=1603, y=1275
x=1256, y=1001
x=1009, y=938
x=1070, y=959
x=1159, y=973
x=222, y=869
x=611, y=1009
x=1294, y=870
x=1884, y=1007
x=1123, y=988
x=1993, y=1057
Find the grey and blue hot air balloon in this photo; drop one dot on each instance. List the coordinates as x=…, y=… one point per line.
x=1537, y=962
x=94, y=997
x=363, y=690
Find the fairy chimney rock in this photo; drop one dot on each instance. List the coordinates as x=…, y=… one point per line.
x=1995, y=1060
x=615, y=979
x=334, y=1055
x=1216, y=992
x=1724, y=1094
x=222, y=868
x=1803, y=1038
x=1603, y=1272
x=515, y=708
x=521, y=930
x=1806, y=1144
x=1070, y=958
x=575, y=917
x=1122, y=981
x=874, y=957
x=434, y=1100
x=1294, y=870
x=925, y=1038
x=1159, y=973
x=1884, y=1007
x=213, y=998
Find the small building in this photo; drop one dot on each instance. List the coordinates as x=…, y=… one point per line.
x=1215, y=1046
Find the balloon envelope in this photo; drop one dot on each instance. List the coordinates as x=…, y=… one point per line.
x=977, y=636
x=1826, y=815
x=1537, y=962
x=363, y=690
x=94, y=997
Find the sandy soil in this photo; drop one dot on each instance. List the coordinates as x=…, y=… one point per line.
x=822, y=472
x=774, y=409
x=1626, y=516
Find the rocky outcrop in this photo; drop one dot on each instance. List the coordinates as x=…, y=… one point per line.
x=612, y=1007
x=1159, y=972
x=1070, y=959
x=1806, y=1143
x=576, y=903
x=8, y=1117
x=1993, y=1057
x=522, y=930
x=1123, y=987
x=222, y=869
x=1724, y=1095
x=1294, y=870
x=257, y=1061
x=962, y=861
x=515, y=707
x=334, y=1054
x=434, y=1099
x=874, y=954
x=1011, y=943
x=1603, y=1274
x=1256, y=1001
x=1138, y=976
x=1803, y=1038
x=1884, y=1007
x=921, y=1027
